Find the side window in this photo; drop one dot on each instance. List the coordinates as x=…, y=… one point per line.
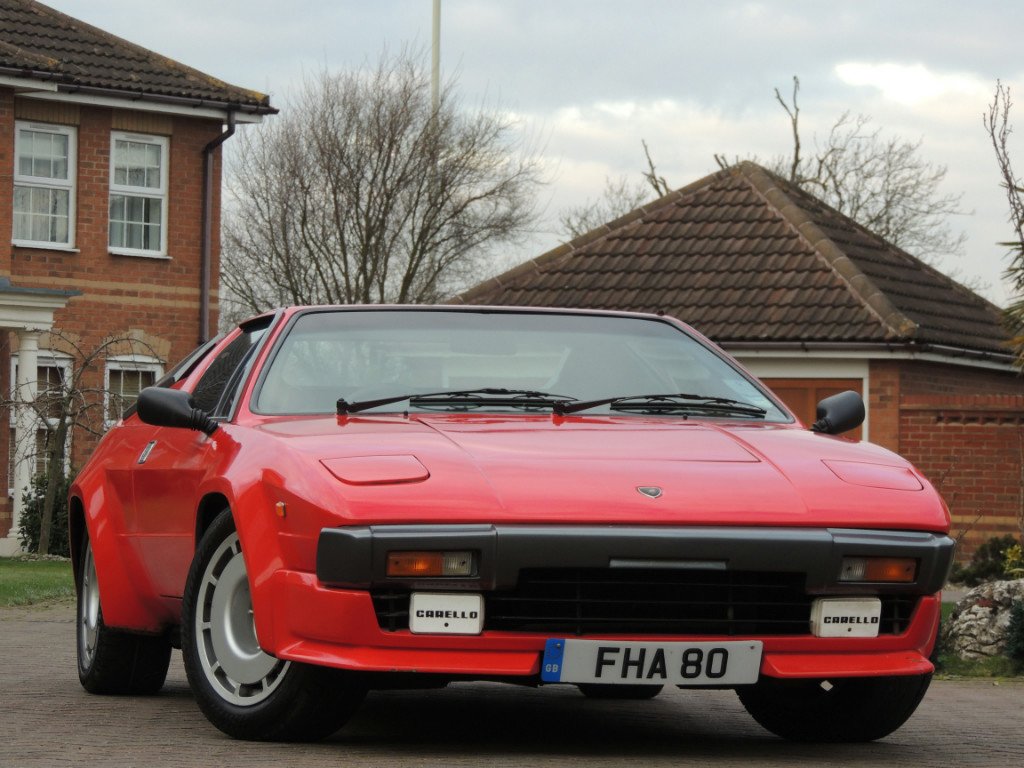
x=228, y=366
x=189, y=363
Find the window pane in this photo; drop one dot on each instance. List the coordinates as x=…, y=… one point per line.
x=136, y=209
x=42, y=450
x=135, y=222
x=42, y=214
x=137, y=164
x=153, y=163
x=43, y=154
x=136, y=176
x=134, y=235
x=50, y=390
x=125, y=386
x=116, y=221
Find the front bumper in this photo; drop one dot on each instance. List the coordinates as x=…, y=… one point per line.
x=356, y=557
x=329, y=618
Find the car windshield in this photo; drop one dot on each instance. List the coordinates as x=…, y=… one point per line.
x=360, y=356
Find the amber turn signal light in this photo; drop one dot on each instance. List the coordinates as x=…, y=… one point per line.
x=430, y=564
x=879, y=569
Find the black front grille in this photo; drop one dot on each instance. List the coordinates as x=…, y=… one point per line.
x=657, y=601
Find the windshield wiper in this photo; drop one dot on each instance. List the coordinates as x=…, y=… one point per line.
x=680, y=401
x=468, y=398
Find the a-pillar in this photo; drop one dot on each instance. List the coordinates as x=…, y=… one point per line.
x=24, y=432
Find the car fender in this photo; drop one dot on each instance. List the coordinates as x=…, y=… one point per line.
x=126, y=597
x=273, y=538
x=252, y=497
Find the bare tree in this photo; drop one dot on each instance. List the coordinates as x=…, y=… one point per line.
x=361, y=193
x=997, y=124
x=881, y=182
x=70, y=404
x=620, y=196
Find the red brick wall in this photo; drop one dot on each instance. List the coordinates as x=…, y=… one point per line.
x=883, y=403
x=972, y=449
x=962, y=427
x=919, y=378
x=118, y=293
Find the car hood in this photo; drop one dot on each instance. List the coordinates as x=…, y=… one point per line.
x=615, y=470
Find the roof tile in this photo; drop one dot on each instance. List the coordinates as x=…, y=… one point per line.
x=744, y=255
x=37, y=41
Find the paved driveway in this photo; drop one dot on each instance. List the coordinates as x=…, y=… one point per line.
x=46, y=719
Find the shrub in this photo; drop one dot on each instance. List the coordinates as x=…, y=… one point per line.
x=32, y=514
x=1014, y=565
x=1015, y=634
x=987, y=563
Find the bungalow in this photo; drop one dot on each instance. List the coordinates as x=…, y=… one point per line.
x=813, y=303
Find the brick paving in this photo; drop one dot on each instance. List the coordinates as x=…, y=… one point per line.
x=46, y=719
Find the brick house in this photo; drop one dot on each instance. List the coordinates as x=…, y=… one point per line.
x=813, y=303
x=110, y=209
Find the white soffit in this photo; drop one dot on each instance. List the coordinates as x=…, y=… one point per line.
x=141, y=105
x=804, y=368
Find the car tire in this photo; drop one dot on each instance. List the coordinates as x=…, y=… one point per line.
x=619, y=692
x=246, y=693
x=854, y=709
x=109, y=661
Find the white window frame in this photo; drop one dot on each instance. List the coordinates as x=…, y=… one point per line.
x=127, y=363
x=43, y=360
x=41, y=182
x=147, y=192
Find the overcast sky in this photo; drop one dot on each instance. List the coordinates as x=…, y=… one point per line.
x=589, y=78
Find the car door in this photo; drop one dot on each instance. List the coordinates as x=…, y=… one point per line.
x=171, y=467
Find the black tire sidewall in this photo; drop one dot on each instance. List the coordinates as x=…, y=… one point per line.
x=853, y=710
x=85, y=673
x=122, y=663
x=308, y=703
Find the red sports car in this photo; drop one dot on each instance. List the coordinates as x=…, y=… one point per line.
x=331, y=499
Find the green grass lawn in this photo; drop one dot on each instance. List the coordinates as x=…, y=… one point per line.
x=25, y=582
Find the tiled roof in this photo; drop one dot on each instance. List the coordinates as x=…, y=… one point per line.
x=747, y=257
x=41, y=43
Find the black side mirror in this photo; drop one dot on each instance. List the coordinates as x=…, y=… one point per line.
x=839, y=413
x=164, y=407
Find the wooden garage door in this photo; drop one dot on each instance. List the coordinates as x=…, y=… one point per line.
x=802, y=396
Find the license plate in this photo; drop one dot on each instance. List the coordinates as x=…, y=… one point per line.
x=446, y=613
x=846, y=617
x=630, y=663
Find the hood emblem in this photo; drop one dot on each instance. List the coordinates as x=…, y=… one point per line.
x=651, y=491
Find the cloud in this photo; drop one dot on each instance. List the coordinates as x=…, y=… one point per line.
x=910, y=84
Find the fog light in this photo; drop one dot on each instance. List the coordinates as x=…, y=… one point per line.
x=878, y=569
x=430, y=564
